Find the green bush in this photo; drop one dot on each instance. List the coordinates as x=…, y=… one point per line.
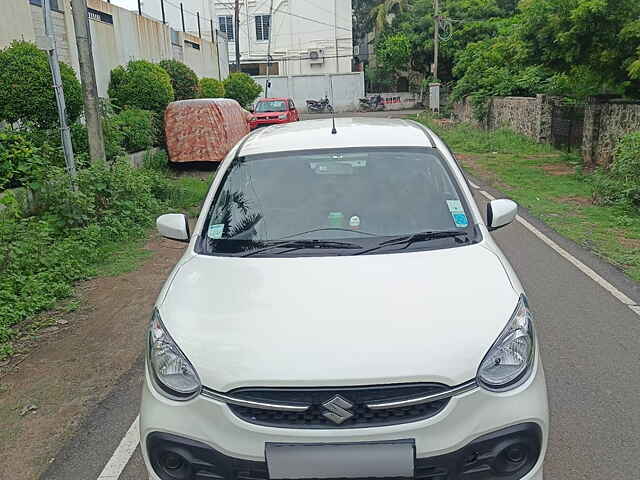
x=42, y=256
x=25, y=87
x=242, y=88
x=183, y=79
x=141, y=84
x=139, y=128
x=211, y=88
x=113, y=141
x=620, y=184
x=21, y=161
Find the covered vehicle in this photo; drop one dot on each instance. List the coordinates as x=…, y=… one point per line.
x=204, y=130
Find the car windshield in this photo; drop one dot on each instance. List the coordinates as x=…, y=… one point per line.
x=271, y=106
x=361, y=197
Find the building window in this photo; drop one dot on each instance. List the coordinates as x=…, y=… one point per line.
x=226, y=25
x=53, y=3
x=262, y=27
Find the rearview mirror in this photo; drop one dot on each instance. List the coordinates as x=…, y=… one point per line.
x=501, y=212
x=174, y=226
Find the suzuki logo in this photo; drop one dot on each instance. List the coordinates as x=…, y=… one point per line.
x=338, y=409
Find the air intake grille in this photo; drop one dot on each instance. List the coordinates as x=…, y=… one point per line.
x=358, y=397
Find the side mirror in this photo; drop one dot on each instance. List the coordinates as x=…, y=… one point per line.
x=501, y=212
x=174, y=226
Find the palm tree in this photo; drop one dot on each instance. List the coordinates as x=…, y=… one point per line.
x=380, y=12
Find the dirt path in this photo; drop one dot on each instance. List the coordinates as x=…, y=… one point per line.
x=69, y=372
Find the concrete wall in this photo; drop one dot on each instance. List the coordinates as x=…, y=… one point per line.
x=118, y=36
x=604, y=124
x=16, y=23
x=347, y=89
x=530, y=116
x=397, y=100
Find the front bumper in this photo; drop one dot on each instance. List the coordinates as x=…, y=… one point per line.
x=444, y=439
x=253, y=124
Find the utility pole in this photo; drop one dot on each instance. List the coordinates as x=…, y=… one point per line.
x=236, y=28
x=436, y=40
x=88, y=78
x=57, y=86
x=335, y=32
x=266, y=85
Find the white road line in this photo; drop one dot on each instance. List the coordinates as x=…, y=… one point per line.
x=121, y=456
x=589, y=272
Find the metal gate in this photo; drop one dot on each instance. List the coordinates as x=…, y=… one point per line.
x=567, y=126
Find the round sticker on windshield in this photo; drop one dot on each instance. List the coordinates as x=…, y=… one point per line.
x=354, y=221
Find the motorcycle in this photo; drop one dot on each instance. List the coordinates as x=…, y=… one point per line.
x=319, y=106
x=372, y=104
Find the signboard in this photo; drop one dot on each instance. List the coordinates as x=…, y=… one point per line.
x=99, y=16
x=192, y=44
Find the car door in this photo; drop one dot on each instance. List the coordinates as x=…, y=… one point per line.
x=294, y=113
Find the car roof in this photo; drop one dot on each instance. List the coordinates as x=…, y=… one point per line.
x=269, y=99
x=351, y=132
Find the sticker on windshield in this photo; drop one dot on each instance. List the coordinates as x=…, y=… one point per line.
x=457, y=212
x=215, y=231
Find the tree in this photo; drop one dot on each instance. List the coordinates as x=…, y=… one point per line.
x=26, y=94
x=242, y=88
x=141, y=84
x=183, y=80
x=381, y=12
x=211, y=88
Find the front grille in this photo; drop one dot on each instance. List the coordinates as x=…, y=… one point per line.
x=358, y=396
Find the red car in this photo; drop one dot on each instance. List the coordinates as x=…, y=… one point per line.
x=269, y=111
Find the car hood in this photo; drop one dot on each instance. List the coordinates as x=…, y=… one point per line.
x=349, y=320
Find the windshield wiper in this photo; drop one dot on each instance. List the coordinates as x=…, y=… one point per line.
x=290, y=245
x=417, y=237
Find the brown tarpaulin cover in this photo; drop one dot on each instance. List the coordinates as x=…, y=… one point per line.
x=204, y=130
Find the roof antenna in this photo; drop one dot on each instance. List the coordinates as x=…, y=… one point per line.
x=333, y=110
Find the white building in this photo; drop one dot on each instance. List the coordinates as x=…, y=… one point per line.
x=307, y=36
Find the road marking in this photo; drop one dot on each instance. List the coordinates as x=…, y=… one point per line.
x=589, y=272
x=114, y=467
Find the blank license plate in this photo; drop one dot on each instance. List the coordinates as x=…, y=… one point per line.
x=341, y=460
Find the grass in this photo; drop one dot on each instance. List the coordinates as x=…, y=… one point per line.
x=552, y=185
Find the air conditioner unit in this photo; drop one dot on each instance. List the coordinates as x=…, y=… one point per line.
x=316, y=55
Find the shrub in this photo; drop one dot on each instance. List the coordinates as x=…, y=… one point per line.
x=21, y=161
x=620, y=184
x=113, y=141
x=139, y=128
x=141, y=84
x=25, y=87
x=211, y=88
x=183, y=79
x=242, y=88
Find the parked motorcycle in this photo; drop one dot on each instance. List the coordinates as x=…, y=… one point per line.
x=319, y=106
x=372, y=104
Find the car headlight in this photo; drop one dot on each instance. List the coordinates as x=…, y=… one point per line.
x=172, y=372
x=282, y=116
x=510, y=359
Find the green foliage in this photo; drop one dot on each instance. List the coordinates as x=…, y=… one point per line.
x=242, y=88
x=393, y=52
x=183, y=79
x=620, y=184
x=211, y=88
x=378, y=80
x=141, y=84
x=21, y=161
x=139, y=128
x=75, y=232
x=113, y=141
x=25, y=87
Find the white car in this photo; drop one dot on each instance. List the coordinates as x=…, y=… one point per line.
x=341, y=311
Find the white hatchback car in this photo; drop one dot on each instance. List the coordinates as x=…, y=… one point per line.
x=342, y=311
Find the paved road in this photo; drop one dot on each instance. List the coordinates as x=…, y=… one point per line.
x=589, y=344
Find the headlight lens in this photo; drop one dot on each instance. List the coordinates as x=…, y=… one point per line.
x=510, y=359
x=172, y=371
